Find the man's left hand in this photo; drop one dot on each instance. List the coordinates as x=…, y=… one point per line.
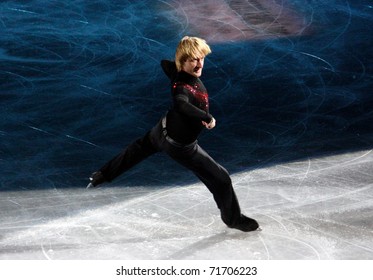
x=209, y=125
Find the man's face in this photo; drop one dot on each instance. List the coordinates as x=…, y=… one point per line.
x=194, y=65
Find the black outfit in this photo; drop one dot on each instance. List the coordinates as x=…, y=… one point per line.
x=176, y=134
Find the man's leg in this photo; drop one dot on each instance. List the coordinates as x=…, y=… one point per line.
x=129, y=157
x=218, y=181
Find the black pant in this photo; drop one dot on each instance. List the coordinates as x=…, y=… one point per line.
x=191, y=156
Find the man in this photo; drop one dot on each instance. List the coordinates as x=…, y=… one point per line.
x=176, y=134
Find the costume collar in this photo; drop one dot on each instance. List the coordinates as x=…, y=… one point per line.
x=187, y=78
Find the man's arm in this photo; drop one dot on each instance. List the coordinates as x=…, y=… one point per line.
x=169, y=68
x=182, y=105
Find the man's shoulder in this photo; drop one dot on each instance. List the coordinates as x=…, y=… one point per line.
x=182, y=86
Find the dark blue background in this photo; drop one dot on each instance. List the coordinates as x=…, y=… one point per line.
x=81, y=79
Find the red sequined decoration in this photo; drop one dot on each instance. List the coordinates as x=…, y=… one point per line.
x=200, y=96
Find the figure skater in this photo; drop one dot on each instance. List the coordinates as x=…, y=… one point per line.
x=176, y=134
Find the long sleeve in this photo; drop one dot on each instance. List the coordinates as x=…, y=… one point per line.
x=183, y=105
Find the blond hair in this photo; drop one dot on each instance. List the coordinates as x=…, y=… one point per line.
x=190, y=47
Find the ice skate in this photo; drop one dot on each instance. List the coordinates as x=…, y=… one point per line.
x=95, y=179
x=246, y=224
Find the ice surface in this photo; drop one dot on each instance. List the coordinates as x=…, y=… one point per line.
x=290, y=85
x=313, y=209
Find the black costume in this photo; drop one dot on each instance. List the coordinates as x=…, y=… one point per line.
x=176, y=134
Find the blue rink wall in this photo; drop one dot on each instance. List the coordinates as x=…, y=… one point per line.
x=81, y=79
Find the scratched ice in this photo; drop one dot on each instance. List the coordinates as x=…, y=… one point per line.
x=290, y=85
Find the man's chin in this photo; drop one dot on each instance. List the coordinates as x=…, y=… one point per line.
x=197, y=74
